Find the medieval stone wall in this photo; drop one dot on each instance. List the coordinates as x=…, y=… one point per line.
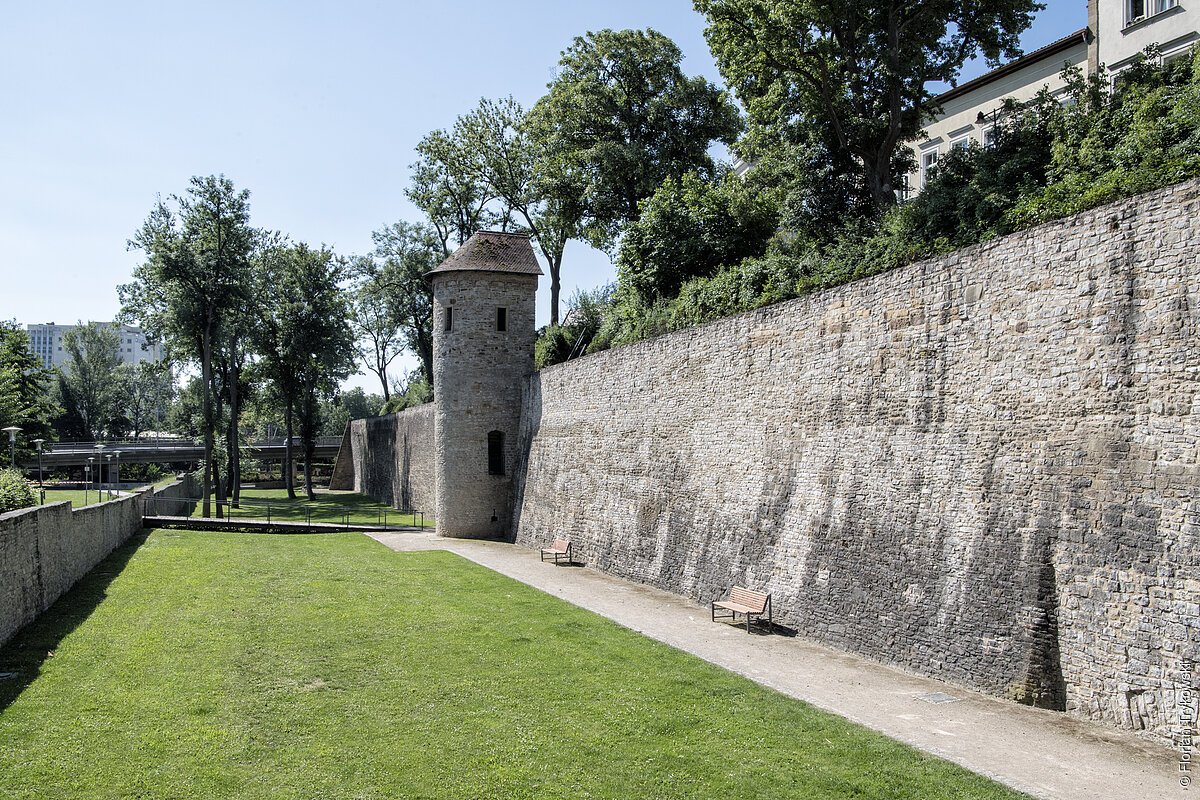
x=477, y=373
x=982, y=467
x=45, y=550
x=393, y=458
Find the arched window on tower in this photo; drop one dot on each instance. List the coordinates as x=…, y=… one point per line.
x=495, y=453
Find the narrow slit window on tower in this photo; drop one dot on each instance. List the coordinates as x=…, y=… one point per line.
x=449, y=318
x=501, y=319
x=495, y=453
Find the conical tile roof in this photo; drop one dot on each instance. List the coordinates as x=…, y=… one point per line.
x=492, y=251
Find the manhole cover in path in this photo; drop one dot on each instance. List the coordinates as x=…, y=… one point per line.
x=938, y=697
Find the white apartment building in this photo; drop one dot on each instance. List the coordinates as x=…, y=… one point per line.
x=46, y=341
x=1117, y=32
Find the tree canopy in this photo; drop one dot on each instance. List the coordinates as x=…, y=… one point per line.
x=855, y=79
x=620, y=118
x=193, y=281
x=498, y=146
x=90, y=377
x=24, y=381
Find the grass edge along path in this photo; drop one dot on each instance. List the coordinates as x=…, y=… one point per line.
x=231, y=666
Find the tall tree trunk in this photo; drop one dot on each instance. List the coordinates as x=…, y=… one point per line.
x=309, y=451
x=308, y=431
x=288, y=473
x=555, y=264
x=382, y=373
x=206, y=380
x=220, y=489
x=235, y=409
x=218, y=486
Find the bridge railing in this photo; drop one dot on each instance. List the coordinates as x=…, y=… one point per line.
x=151, y=442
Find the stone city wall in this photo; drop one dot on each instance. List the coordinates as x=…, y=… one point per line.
x=393, y=458
x=45, y=550
x=981, y=467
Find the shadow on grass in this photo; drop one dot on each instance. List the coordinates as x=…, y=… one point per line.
x=35, y=643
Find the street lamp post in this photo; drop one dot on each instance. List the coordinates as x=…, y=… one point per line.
x=117, y=473
x=41, y=486
x=87, y=485
x=99, y=469
x=12, y=431
x=108, y=460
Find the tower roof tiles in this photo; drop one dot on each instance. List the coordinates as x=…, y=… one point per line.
x=492, y=251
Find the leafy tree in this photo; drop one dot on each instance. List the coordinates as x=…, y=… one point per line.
x=404, y=253
x=25, y=399
x=621, y=117
x=314, y=343
x=346, y=406
x=415, y=391
x=148, y=388
x=1106, y=145
x=855, y=78
x=456, y=200
x=195, y=276
x=377, y=321
x=498, y=148
x=690, y=228
x=275, y=337
x=15, y=491
x=91, y=376
x=185, y=416
x=575, y=336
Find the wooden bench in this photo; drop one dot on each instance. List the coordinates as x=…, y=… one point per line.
x=744, y=601
x=559, y=548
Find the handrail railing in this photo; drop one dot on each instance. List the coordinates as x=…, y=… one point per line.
x=189, y=503
x=160, y=441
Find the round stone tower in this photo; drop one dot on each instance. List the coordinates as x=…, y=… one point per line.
x=483, y=337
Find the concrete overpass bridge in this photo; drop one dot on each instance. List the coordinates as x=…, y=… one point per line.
x=169, y=451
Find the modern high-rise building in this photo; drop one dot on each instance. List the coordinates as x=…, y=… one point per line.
x=46, y=340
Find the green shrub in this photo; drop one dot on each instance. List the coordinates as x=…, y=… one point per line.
x=553, y=346
x=696, y=254
x=15, y=491
x=689, y=228
x=417, y=392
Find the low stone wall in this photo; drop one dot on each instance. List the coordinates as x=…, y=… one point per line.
x=393, y=458
x=170, y=500
x=45, y=550
x=982, y=467
x=342, y=478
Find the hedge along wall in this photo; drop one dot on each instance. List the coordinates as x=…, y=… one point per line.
x=981, y=467
x=394, y=458
x=44, y=550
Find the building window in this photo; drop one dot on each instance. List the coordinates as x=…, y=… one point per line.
x=962, y=143
x=495, y=453
x=1137, y=10
x=929, y=161
x=988, y=137
x=501, y=319
x=449, y=319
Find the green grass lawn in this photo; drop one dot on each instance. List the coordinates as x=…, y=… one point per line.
x=77, y=497
x=328, y=507
x=211, y=665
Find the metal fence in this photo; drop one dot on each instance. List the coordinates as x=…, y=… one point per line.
x=255, y=510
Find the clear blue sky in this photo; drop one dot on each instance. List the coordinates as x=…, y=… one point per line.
x=315, y=107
